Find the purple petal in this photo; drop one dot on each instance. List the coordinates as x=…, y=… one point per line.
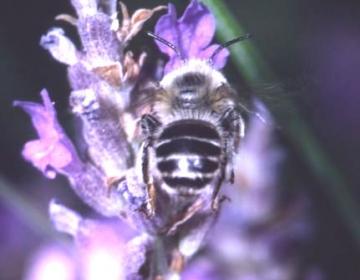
x=47, y=152
x=101, y=252
x=53, y=148
x=60, y=47
x=42, y=116
x=54, y=262
x=173, y=63
x=64, y=219
x=197, y=28
x=191, y=35
x=219, y=60
x=167, y=28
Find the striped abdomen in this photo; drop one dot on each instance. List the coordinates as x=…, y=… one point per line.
x=188, y=154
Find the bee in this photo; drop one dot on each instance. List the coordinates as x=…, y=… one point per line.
x=190, y=135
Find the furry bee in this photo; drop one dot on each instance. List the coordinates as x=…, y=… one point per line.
x=191, y=133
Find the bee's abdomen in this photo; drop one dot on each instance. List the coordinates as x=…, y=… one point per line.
x=188, y=154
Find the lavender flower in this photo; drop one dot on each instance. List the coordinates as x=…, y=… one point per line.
x=191, y=35
x=137, y=243
x=102, y=76
x=53, y=152
x=109, y=250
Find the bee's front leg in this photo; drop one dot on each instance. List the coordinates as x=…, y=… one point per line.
x=177, y=262
x=149, y=125
x=148, y=180
x=185, y=216
x=215, y=201
x=192, y=238
x=233, y=127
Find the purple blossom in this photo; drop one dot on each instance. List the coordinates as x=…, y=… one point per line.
x=101, y=249
x=53, y=261
x=191, y=35
x=53, y=148
x=102, y=254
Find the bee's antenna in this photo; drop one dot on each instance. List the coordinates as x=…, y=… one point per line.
x=165, y=42
x=229, y=43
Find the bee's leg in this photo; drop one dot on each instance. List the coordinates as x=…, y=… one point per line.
x=177, y=262
x=184, y=217
x=216, y=200
x=149, y=182
x=233, y=125
x=175, y=268
x=215, y=196
x=149, y=124
x=151, y=204
x=230, y=125
x=113, y=182
x=192, y=239
x=236, y=128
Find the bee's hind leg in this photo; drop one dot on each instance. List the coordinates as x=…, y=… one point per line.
x=149, y=124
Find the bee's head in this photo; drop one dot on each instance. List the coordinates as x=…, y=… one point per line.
x=195, y=82
x=190, y=84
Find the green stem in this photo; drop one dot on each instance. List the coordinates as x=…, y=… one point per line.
x=254, y=69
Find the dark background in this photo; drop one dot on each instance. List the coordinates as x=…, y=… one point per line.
x=313, y=46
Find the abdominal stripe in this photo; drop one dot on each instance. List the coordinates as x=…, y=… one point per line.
x=196, y=183
x=187, y=146
x=189, y=128
x=199, y=164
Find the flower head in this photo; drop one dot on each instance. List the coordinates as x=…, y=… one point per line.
x=53, y=149
x=191, y=35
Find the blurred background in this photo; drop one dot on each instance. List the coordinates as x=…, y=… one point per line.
x=313, y=46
